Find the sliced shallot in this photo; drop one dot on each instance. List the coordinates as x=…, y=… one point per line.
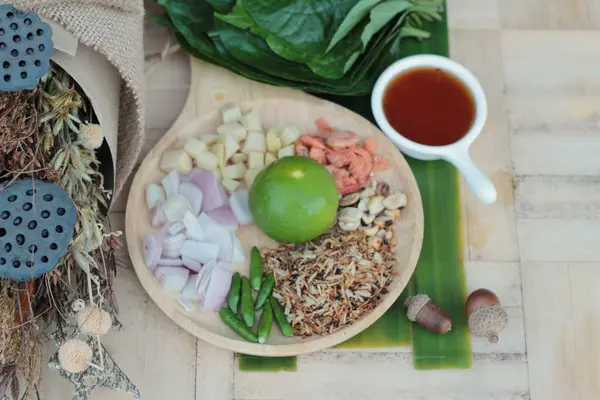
x=170, y=262
x=171, y=246
x=175, y=208
x=193, y=194
x=240, y=205
x=173, y=228
x=190, y=291
x=214, y=195
x=154, y=194
x=158, y=216
x=199, y=251
x=152, y=250
x=174, y=279
x=224, y=217
x=171, y=183
x=218, y=287
x=191, y=264
x=193, y=229
x=221, y=237
x=238, y=252
x=203, y=277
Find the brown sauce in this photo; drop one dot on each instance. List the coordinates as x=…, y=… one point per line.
x=429, y=106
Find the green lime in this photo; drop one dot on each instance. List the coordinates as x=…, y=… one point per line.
x=294, y=200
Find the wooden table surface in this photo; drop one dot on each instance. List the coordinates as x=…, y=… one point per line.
x=537, y=247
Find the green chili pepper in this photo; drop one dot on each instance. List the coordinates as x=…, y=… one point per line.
x=256, y=268
x=237, y=325
x=233, y=297
x=280, y=318
x=265, y=291
x=247, y=303
x=265, y=324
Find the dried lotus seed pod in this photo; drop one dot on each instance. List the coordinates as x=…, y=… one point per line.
x=74, y=356
x=94, y=321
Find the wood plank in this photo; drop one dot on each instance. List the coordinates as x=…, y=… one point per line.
x=555, y=117
x=575, y=197
x=491, y=229
x=562, y=311
x=564, y=154
x=545, y=14
x=356, y=375
x=585, y=314
x=214, y=372
x=473, y=14
x=568, y=240
x=155, y=353
x=570, y=71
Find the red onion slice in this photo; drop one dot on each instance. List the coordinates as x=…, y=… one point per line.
x=170, y=262
x=218, y=287
x=191, y=264
x=152, y=251
x=214, y=195
x=240, y=205
x=193, y=194
x=171, y=183
x=158, y=216
x=199, y=251
x=171, y=246
x=190, y=291
x=173, y=279
x=224, y=217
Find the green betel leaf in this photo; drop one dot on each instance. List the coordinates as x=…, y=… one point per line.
x=356, y=14
x=222, y=6
x=380, y=16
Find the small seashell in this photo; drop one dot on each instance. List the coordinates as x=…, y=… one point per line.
x=373, y=184
x=367, y=193
x=368, y=218
x=349, y=226
x=362, y=204
x=375, y=242
x=368, y=230
x=381, y=233
x=350, y=214
x=376, y=205
x=384, y=221
x=395, y=200
x=349, y=199
x=383, y=189
x=388, y=235
x=393, y=213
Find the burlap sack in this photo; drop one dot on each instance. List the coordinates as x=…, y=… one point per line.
x=114, y=28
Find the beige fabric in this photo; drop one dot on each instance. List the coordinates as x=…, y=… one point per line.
x=114, y=28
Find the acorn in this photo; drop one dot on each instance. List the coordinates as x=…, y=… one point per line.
x=423, y=311
x=486, y=317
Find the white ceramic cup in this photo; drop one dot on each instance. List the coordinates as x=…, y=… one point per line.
x=456, y=153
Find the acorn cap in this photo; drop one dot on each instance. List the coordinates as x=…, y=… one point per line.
x=74, y=356
x=94, y=321
x=488, y=321
x=414, y=304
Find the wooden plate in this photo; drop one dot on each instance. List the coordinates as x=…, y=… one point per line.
x=289, y=111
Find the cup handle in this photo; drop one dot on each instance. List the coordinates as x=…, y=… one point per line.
x=480, y=184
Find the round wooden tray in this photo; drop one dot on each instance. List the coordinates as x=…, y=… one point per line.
x=207, y=325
